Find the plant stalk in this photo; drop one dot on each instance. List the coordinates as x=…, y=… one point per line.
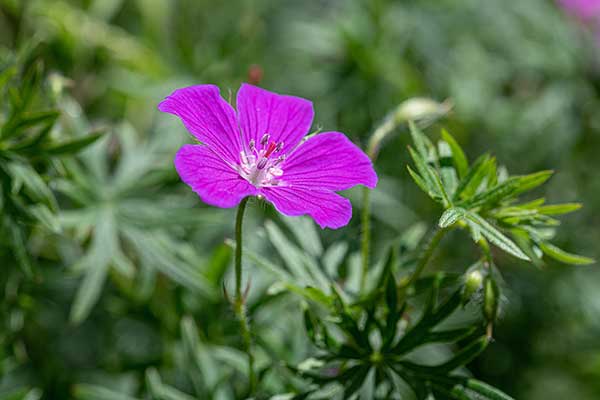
x=366, y=237
x=239, y=305
x=389, y=123
x=424, y=258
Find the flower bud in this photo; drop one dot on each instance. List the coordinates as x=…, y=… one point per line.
x=491, y=295
x=473, y=281
x=419, y=108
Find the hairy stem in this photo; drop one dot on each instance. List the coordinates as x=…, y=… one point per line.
x=366, y=237
x=239, y=305
x=424, y=258
x=389, y=123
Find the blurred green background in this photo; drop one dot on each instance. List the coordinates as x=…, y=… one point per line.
x=524, y=81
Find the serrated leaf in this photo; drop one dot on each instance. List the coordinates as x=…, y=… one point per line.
x=508, y=189
x=560, y=255
x=450, y=216
x=492, y=234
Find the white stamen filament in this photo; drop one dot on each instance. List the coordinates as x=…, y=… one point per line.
x=259, y=166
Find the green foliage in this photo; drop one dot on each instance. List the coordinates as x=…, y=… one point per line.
x=112, y=271
x=485, y=200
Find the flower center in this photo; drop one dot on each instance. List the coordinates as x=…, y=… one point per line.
x=260, y=167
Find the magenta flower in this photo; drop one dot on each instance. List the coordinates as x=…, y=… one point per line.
x=587, y=10
x=258, y=151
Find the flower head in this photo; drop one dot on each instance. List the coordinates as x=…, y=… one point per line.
x=258, y=150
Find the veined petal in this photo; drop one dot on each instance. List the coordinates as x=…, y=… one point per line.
x=216, y=182
x=328, y=161
x=208, y=117
x=285, y=118
x=327, y=208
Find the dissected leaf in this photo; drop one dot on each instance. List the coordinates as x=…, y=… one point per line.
x=560, y=255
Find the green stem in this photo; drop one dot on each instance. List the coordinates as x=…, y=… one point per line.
x=366, y=237
x=389, y=123
x=424, y=258
x=239, y=305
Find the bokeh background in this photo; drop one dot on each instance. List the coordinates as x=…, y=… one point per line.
x=524, y=81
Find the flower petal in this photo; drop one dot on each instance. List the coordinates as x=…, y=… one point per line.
x=327, y=208
x=208, y=117
x=216, y=182
x=328, y=161
x=286, y=119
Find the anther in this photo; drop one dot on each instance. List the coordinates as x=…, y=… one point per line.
x=262, y=163
x=252, y=144
x=279, y=147
x=265, y=139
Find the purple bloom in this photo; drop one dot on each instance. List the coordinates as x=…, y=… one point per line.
x=585, y=9
x=258, y=151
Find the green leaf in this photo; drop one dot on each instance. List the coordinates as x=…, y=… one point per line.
x=25, y=176
x=159, y=251
x=161, y=391
x=74, y=145
x=449, y=336
x=468, y=185
x=84, y=391
x=458, y=156
x=333, y=257
x=447, y=171
x=560, y=255
x=430, y=177
x=422, y=142
x=450, y=216
x=19, y=245
x=6, y=74
x=301, y=264
x=559, y=209
x=423, y=186
x=463, y=357
x=95, y=263
x=45, y=217
x=510, y=188
x=492, y=234
x=489, y=392
x=305, y=232
x=26, y=120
